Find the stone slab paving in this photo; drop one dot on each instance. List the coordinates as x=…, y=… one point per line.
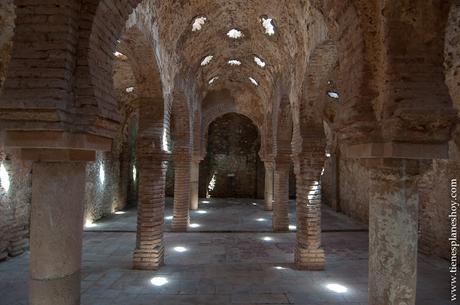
x=228, y=215
x=224, y=268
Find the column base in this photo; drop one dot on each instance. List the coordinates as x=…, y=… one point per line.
x=310, y=259
x=280, y=223
x=148, y=259
x=60, y=291
x=281, y=228
x=179, y=224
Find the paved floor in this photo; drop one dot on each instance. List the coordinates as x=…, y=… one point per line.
x=227, y=215
x=225, y=268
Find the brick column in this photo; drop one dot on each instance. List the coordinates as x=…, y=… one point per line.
x=194, y=184
x=149, y=252
x=269, y=181
x=56, y=226
x=182, y=173
x=393, y=213
x=308, y=253
x=281, y=200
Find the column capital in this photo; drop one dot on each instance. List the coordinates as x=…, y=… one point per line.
x=197, y=159
x=269, y=165
x=54, y=145
x=283, y=159
x=181, y=158
x=266, y=157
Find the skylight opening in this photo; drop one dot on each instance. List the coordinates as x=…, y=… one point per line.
x=206, y=60
x=130, y=89
x=198, y=23
x=268, y=25
x=259, y=62
x=333, y=94
x=253, y=81
x=4, y=178
x=213, y=80
x=234, y=62
x=235, y=34
x=120, y=55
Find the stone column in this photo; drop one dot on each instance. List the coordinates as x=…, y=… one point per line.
x=269, y=181
x=56, y=220
x=149, y=252
x=308, y=253
x=182, y=173
x=56, y=226
x=281, y=202
x=194, y=184
x=393, y=213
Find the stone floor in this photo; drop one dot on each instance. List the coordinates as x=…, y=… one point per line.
x=226, y=268
x=227, y=215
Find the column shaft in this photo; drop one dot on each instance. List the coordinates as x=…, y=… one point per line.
x=56, y=228
x=393, y=225
x=269, y=181
x=149, y=252
x=308, y=254
x=281, y=202
x=194, y=185
x=181, y=194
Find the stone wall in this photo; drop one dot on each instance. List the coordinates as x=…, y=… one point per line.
x=102, y=186
x=232, y=160
x=434, y=194
x=353, y=188
x=15, y=197
x=111, y=184
x=434, y=191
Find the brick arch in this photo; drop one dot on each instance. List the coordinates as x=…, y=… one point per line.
x=181, y=121
x=373, y=60
x=37, y=58
x=137, y=45
x=99, y=32
x=452, y=63
x=282, y=128
x=452, y=53
x=310, y=115
x=417, y=112
x=221, y=110
x=140, y=52
x=358, y=54
x=218, y=111
x=7, y=15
